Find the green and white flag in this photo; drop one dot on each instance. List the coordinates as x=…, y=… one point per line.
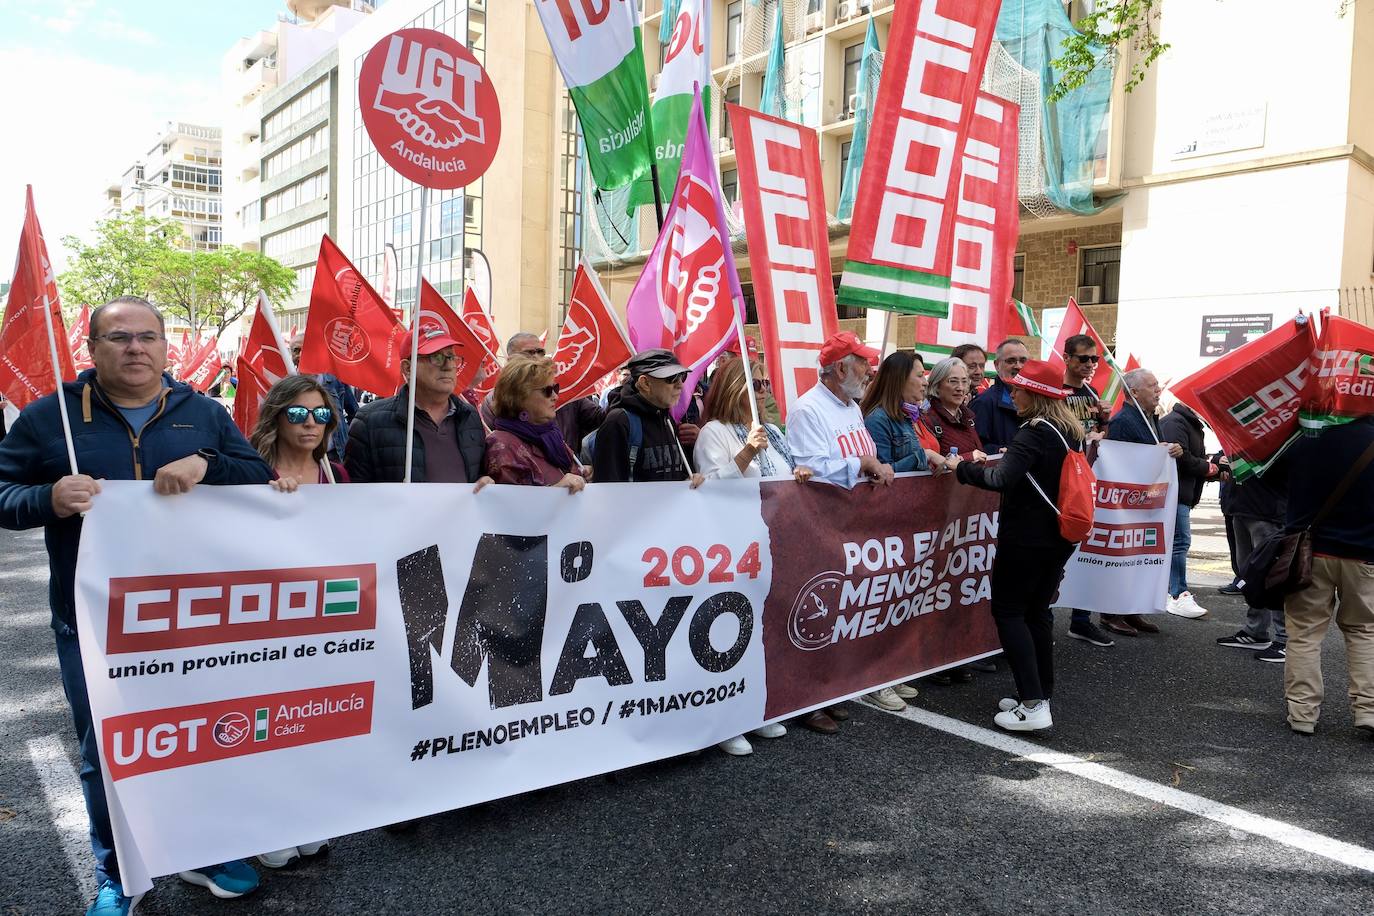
x=601, y=56
x=686, y=65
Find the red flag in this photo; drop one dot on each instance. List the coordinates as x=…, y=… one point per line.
x=1341, y=385
x=479, y=324
x=76, y=340
x=26, y=355
x=1251, y=396
x=1121, y=395
x=204, y=366
x=173, y=359
x=248, y=396
x=470, y=352
x=1076, y=323
x=592, y=343
x=263, y=347
x=349, y=331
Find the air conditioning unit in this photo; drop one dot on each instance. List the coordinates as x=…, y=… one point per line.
x=1089, y=295
x=653, y=83
x=851, y=106
x=725, y=145
x=846, y=11
x=478, y=5
x=815, y=22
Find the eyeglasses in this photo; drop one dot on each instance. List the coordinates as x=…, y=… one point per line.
x=297, y=414
x=1085, y=358
x=441, y=360
x=549, y=391
x=537, y=351
x=763, y=384
x=124, y=338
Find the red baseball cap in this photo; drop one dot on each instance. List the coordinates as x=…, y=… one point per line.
x=846, y=343
x=1042, y=378
x=433, y=338
x=752, y=344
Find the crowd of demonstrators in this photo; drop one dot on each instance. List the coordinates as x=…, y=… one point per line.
x=449, y=441
x=892, y=413
x=131, y=421
x=1183, y=427
x=975, y=360
x=827, y=433
x=345, y=401
x=526, y=446
x=1332, y=496
x=1031, y=552
x=296, y=424
x=994, y=413
x=1256, y=508
x=638, y=440
x=949, y=418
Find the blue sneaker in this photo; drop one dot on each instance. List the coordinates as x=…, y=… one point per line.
x=226, y=881
x=110, y=901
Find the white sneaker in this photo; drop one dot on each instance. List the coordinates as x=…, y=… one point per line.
x=885, y=699
x=737, y=746
x=906, y=691
x=313, y=849
x=771, y=730
x=281, y=858
x=1021, y=719
x=1185, y=606
x=1007, y=704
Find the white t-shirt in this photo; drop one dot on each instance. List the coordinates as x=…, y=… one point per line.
x=828, y=436
x=717, y=445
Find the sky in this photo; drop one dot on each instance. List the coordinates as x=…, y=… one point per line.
x=89, y=84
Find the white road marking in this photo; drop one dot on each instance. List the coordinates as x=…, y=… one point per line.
x=68, y=808
x=1235, y=818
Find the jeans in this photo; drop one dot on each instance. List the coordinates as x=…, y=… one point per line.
x=92, y=785
x=1183, y=539
x=1250, y=533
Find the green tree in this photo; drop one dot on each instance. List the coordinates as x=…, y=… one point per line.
x=116, y=264
x=1114, y=25
x=235, y=277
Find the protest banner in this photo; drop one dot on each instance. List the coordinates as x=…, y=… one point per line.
x=901, y=240
x=783, y=197
x=1340, y=387
x=31, y=363
x=470, y=351
x=356, y=675
x=1123, y=565
x=986, y=227
x=349, y=331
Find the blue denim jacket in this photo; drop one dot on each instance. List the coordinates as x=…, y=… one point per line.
x=896, y=440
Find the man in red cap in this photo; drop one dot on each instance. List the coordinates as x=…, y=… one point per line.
x=449, y=439
x=826, y=432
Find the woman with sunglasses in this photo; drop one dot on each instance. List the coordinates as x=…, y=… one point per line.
x=293, y=432
x=526, y=447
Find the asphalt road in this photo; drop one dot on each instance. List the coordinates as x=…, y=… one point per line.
x=1170, y=784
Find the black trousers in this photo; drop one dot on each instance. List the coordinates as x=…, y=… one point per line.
x=1025, y=581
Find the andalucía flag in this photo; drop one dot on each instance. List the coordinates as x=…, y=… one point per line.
x=601, y=57
x=686, y=66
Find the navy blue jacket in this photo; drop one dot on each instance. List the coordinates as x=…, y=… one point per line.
x=33, y=457
x=896, y=441
x=1130, y=425
x=347, y=402
x=995, y=421
x=1316, y=466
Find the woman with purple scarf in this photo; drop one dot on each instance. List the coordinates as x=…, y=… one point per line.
x=525, y=447
x=892, y=413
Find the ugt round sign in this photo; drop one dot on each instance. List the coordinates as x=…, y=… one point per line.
x=429, y=108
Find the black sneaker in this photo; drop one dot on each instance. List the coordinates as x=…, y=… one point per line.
x=1277, y=652
x=1230, y=588
x=1244, y=640
x=1087, y=631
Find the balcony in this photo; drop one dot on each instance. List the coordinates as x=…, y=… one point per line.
x=257, y=79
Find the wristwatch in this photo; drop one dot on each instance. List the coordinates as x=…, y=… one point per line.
x=209, y=454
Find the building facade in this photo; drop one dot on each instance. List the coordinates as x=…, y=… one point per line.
x=178, y=180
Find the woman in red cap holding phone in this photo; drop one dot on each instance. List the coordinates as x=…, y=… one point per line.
x=1031, y=553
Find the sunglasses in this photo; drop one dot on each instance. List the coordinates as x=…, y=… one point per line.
x=549, y=391
x=442, y=360
x=296, y=414
x=763, y=384
x=1083, y=358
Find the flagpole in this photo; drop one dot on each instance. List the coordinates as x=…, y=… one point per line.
x=415, y=331
x=57, y=376
x=887, y=328
x=658, y=192
x=748, y=370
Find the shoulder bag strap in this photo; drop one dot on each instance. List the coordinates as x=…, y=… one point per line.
x=1031, y=477
x=1342, y=487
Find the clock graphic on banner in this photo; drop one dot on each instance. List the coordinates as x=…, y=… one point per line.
x=811, y=625
x=430, y=108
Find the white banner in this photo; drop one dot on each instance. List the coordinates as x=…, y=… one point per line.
x=1123, y=566
x=296, y=670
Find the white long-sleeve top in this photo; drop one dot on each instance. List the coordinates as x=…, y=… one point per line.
x=717, y=445
x=828, y=436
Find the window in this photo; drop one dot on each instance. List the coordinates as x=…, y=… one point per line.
x=317, y=141
x=448, y=217
x=734, y=29
x=296, y=110
x=732, y=96
x=844, y=311
x=845, y=147
x=1018, y=275
x=853, y=60
x=1101, y=267
x=293, y=196
x=306, y=235
x=729, y=185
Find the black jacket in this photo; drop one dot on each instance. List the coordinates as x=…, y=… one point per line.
x=376, y=450
x=33, y=457
x=577, y=419
x=1025, y=519
x=659, y=455
x=1263, y=497
x=995, y=420
x=1130, y=425
x=1317, y=465
x=1183, y=426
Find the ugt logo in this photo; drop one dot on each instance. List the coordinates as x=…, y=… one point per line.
x=431, y=93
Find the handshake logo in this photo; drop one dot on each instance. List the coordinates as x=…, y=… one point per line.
x=431, y=94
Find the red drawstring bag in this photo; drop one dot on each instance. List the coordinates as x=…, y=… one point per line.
x=1077, y=489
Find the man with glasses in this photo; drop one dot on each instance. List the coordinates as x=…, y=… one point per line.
x=994, y=414
x=343, y=396
x=639, y=442
x=130, y=421
x=449, y=440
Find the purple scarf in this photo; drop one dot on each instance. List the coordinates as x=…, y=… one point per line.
x=913, y=411
x=546, y=436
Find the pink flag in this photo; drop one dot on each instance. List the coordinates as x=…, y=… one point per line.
x=687, y=298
